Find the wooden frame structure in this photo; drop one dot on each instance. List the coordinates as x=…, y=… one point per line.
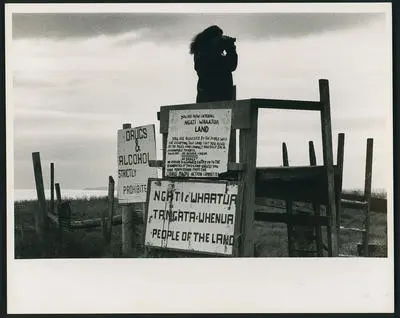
x=313, y=184
x=342, y=200
x=315, y=220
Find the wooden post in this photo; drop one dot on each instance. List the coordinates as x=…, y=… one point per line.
x=339, y=163
x=59, y=210
x=316, y=207
x=248, y=156
x=289, y=206
x=104, y=222
x=144, y=220
x=58, y=192
x=127, y=221
x=64, y=216
x=328, y=163
x=41, y=212
x=111, y=200
x=137, y=210
x=164, y=152
x=311, y=153
x=367, y=192
x=127, y=230
x=52, y=188
x=232, y=140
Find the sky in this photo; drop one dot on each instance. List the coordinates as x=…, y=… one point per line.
x=77, y=77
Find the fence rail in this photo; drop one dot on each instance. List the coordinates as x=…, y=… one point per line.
x=86, y=224
x=377, y=204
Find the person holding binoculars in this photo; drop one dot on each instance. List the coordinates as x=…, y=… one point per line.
x=215, y=59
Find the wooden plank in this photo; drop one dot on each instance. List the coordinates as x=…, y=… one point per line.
x=236, y=166
x=263, y=201
x=52, y=207
x=354, y=229
x=367, y=192
x=353, y=197
x=240, y=112
x=286, y=104
x=292, y=173
x=327, y=148
x=316, y=206
x=41, y=211
x=354, y=204
x=247, y=156
x=295, y=219
x=289, y=205
x=93, y=223
x=240, y=109
x=293, y=183
x=156, y=163
x=377, y=204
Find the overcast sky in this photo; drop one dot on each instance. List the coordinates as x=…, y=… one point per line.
x=78, y=77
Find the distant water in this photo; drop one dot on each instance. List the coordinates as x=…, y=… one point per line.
x=30, y=194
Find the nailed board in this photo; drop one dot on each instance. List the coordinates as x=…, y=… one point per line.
x=201, y=216
x=198, y=142
x=136, y=146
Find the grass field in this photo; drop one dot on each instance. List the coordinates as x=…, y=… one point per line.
x=270, y=238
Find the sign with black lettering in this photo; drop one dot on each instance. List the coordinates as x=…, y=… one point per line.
x=193, y=216
x=136, y=146
x=198, y=142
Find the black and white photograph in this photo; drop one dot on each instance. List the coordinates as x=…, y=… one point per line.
x=206, y=141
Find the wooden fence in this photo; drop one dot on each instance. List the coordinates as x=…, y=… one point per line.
x=60, y=213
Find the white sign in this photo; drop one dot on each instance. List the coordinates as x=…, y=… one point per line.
x=136, y=146
x=198, y=142
x=192, y=216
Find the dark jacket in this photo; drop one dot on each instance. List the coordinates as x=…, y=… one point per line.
x=215, y=74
